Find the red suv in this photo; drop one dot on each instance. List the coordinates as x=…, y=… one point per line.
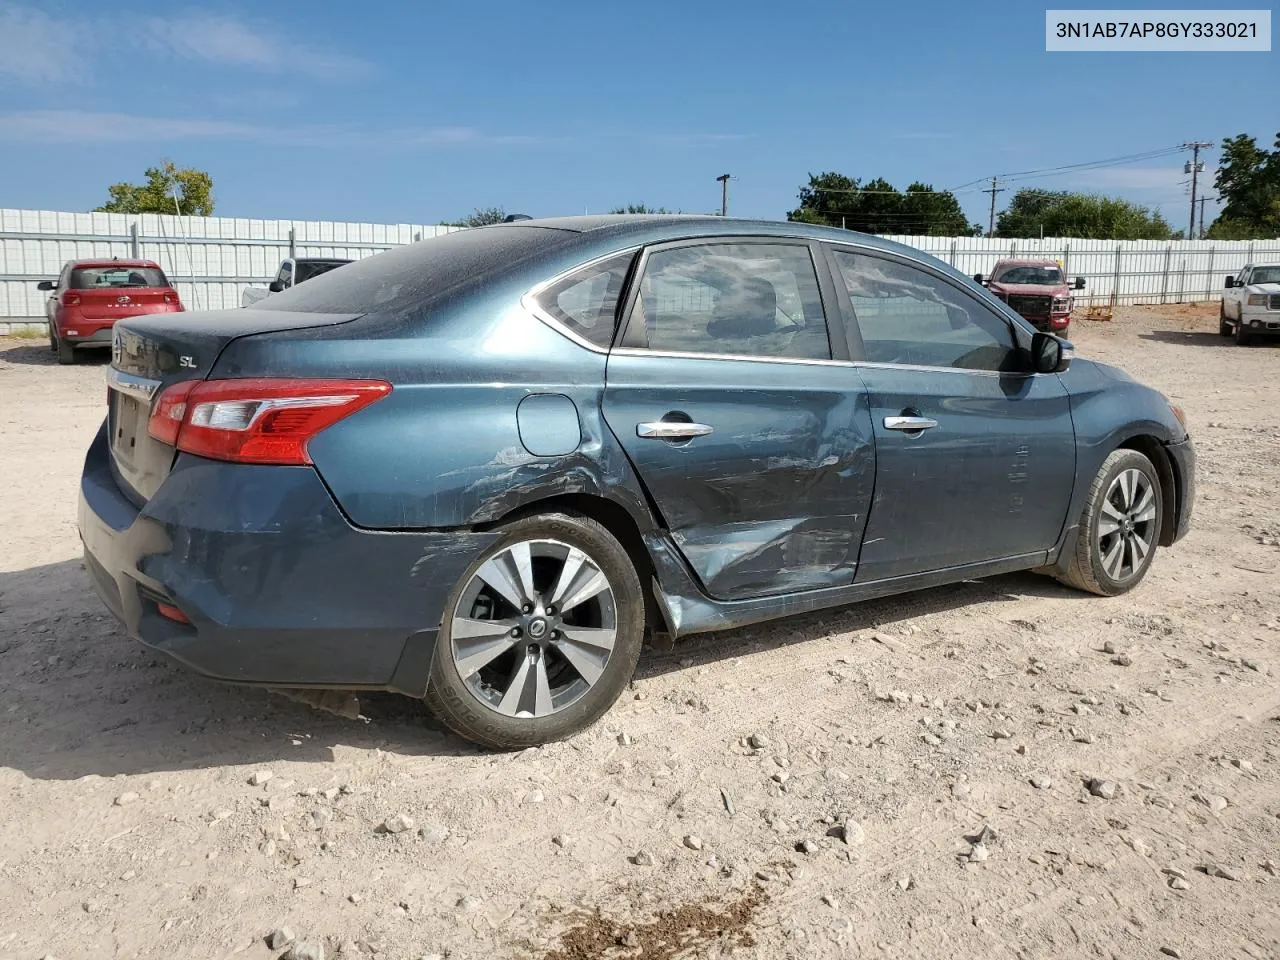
x=89, y=296
x=1036, y=289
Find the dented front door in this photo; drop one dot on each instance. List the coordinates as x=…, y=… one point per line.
x=762, y=471
x=988, y=476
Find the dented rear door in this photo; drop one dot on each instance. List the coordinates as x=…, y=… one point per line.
x=752, y=442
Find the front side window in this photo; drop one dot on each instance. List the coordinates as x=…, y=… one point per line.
x=586, y=301
x=909, y=316
x=738, y=299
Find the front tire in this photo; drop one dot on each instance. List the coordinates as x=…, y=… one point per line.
x=1224, y=328
x=1242, y=338
x=540, y=636
x=1119, y=527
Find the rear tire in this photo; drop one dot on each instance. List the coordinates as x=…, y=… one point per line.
x=1119, y=526
x=66, y=352
x=543, y=672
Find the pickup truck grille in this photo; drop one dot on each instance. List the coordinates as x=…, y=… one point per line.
x=1273, y=303
x=1031, y=306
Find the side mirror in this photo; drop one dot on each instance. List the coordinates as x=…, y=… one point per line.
x=275, y=286
x=45, y=285
x=1050, y=354
x=1079, y=283
x=977, y=278
x=1230, y=282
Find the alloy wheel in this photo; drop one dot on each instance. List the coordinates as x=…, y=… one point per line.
x=1126, y=526
x=534, y=628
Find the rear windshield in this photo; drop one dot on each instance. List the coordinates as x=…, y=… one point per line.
x=110, y=278
x=407, y=277
x=307, y=269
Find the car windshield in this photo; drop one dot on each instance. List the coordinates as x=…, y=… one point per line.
x=1049, y=276
x=1265, y=275
x=313, y=268
x=108, y=278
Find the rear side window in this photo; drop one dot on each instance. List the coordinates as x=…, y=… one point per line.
x=106, y=278
x=738, y=299
x=586, y=301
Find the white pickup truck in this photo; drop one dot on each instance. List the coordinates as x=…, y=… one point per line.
x=293, y=271
x=1251, y=303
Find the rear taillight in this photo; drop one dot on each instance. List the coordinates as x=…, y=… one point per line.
x=259, y=420
x=70, y=300
x=170, y=298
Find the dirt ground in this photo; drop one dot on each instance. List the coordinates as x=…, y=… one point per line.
x=888, y=737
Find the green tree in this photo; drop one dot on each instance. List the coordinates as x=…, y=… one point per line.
x=640, y=208
x=877, y=206
x=1034, y=213
x=193, y=190
x=1248, y=180
x=480, y=217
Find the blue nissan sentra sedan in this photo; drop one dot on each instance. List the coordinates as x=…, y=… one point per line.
x=482, y=469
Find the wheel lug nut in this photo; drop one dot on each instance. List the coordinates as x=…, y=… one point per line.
x=515, y=631
x=551, y=610
x=555, y=634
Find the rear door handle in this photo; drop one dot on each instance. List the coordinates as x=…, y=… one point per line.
x=671, y=430
x=909, y=424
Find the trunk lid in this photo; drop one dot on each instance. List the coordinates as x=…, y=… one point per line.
x=118, y=303
x=150, y=353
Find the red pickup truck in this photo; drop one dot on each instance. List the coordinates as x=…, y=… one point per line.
x=1035, y=289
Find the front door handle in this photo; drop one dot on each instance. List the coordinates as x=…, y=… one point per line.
x=909, y=424
x=671, y=430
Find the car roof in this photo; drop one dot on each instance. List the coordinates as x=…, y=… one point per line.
x=646, y=228
x=109, y=262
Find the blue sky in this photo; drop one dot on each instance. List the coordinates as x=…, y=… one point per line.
x=421, y=111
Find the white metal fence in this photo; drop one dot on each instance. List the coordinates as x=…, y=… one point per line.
x=1136, y=271
x=212, y=259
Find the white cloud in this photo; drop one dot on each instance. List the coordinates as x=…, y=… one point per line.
x=226, y=40
x=37, y=48
x=80, y=126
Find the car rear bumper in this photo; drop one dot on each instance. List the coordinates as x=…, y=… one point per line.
x=97, y=338
x=1182, y=457
x=280, y=589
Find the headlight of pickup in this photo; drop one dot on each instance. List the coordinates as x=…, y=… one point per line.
x=1257, y=300
x=1061, y=303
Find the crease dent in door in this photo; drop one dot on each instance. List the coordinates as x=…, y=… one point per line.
x=782, y=520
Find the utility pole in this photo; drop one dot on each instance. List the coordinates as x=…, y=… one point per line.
x=993, y=190
x=1194, y=167
x=724, y=194
x=1202, y=200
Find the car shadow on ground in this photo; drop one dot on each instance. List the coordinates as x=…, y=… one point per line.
x=1201, y=338
x=82, y=698
x=35, y=352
